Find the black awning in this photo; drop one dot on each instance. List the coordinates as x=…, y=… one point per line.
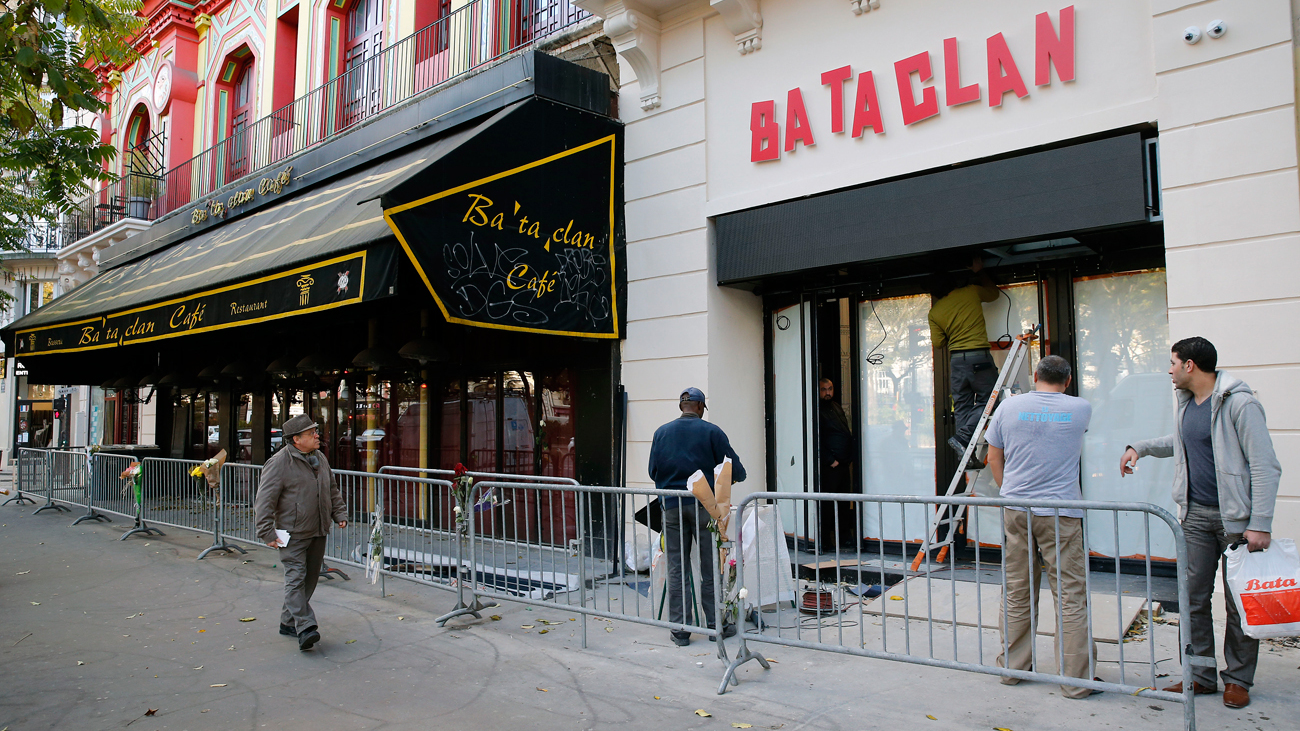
x=521, y=228
x=312, y=252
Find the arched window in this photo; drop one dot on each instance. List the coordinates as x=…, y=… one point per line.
x=137, y=137
x=236, y=109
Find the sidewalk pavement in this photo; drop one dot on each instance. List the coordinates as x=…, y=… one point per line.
x=94, y=633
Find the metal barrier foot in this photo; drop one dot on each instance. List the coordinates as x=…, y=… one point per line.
x=743, y=655
x=462, y=609
x=52, y=506
x=20, y=497
x=93, y=515
x=326, y=570
x=141, y=527
x=227, y=547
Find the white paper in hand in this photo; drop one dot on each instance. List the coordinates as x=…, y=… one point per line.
x=281, y=538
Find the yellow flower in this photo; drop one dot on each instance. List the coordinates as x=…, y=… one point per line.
x=197, y=471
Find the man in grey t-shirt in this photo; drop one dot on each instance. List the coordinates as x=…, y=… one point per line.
x=1035, y=440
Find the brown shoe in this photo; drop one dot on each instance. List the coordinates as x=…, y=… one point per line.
x=1235, y=696
x=1197, y=688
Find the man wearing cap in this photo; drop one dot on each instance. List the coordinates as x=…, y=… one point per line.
x=680, y=447
x=298, y=494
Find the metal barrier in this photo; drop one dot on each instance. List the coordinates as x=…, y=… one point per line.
x=568, y=547
x=500, y=476
x=35, y=474
x=113, y=494
x=71, y=474
x=919, y=605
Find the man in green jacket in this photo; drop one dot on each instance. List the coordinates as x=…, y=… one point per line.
x=957, y=324
x=298, y=494
x=1225, y=484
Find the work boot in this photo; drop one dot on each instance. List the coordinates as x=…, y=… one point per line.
x=1235, y=696
x=288, y=631
x=728, y=630
x=308, y=638
x=681, y=639
x=973, y=463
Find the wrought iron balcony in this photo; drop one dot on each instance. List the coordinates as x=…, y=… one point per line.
x=464, y=40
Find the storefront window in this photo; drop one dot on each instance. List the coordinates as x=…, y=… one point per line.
x=897, y=432
x=1123, y=336
x=244, y=428
x=213, y=425
x=519, y=416
x=483, y=424
x=344, y=423
x=556, y=435
x=449, y=433
x=198, y=427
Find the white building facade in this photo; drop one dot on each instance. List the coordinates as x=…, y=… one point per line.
x=795, y=169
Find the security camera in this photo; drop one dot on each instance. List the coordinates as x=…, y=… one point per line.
x=1216, y=29
x=1192, y=35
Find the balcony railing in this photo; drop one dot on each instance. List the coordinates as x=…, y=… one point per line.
x=471, y=36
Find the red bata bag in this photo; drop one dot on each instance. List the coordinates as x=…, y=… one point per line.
x=1266, y=587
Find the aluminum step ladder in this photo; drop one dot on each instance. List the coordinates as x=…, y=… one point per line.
x=951, y=516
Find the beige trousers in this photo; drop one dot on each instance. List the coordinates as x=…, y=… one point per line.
x=1072, y=651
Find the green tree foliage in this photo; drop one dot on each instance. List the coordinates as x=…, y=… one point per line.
x=49, y=50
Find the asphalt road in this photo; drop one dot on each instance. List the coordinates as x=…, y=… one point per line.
x=94, y=633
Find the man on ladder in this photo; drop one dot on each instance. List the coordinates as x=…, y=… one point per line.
x=957, y=321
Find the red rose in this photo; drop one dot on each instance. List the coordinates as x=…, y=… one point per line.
x=460, y=470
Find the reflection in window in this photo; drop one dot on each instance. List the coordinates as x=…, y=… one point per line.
x=483, y=424
x=449, y=449
x=517, y=422
x=1123, y=334
x=897, y=411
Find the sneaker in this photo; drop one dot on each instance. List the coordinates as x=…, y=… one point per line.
x=728, y=630
x=308, y=639
x=288, y=631
x=681, y=640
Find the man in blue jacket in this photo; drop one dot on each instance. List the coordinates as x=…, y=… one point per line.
x=682, y=446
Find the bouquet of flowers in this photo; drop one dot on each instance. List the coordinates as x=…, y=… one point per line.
x=133, y=476
x=375, y=549
x=210, y=470
x=462, y=489
x=717, y=503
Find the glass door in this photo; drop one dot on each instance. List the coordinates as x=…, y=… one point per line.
x=897, y=392
x=794, y=410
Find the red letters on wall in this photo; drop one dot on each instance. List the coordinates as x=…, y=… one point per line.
x=1052, y=49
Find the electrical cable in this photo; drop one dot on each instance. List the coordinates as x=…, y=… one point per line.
x=873, y=357
x=1007, y=335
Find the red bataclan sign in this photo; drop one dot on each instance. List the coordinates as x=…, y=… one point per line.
x=1051, y=50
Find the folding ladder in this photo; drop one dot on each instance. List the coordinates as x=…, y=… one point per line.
x=952, y=515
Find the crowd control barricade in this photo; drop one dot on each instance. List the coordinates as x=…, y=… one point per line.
x=25, y=478
x=71, y=478
x=36, y=475
x=951, y=613
x=114, y=494
x=581, y=549
x=170, y=495
x=499, y=476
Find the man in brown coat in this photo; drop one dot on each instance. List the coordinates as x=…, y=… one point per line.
x=298, y=494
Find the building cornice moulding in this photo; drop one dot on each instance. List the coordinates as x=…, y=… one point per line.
x=864, y=6
x=743, y=19
x=634, y=31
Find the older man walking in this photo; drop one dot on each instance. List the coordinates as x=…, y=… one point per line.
x=298, y=494
x=1035, y=440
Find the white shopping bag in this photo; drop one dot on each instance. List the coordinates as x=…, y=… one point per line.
x=1266, y=587
x=768, y=574
x=639, y=547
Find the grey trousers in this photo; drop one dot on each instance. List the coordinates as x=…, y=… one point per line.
x=1206, y=542
x=683, y=526
x=971, y=376
x=302, y=559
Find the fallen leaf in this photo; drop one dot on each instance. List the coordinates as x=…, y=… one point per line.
x=232, y=647
x=199, y=667
x=217, y=685
x=133, y=616
x=542, y=632
x=80, y=662
x=547, y=621
x=609, y=629
x=526, y=626
x=349, y=642
x=202, y=617
x=205, y=710
x=770, y=660
x=248, y=619
x=203, y=630
x=151, y=712
x=896, y=598
x=932, y=718
x=399, y=619
x=656, y=697
x=495, y=618
x=703, y=713
x=28, y=571
x=999, y=728
x=544, y=690
x=742, y=725
x=573, y=619
x=36, y=604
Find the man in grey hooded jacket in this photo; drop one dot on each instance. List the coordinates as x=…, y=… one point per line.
x=1225, y=484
